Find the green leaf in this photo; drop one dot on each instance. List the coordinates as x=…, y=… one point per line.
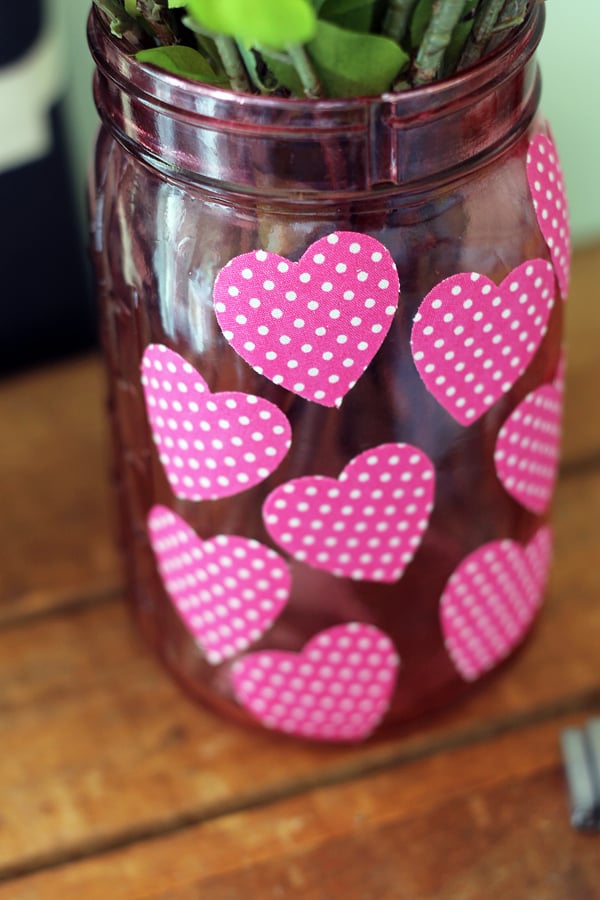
x=270, y=23
x=356, y=15
x=176, y=4
x=350, y=64
x=347, y=63
x=131, y=8
x=183, y=61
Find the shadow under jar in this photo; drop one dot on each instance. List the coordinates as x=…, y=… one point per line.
x=188, y=178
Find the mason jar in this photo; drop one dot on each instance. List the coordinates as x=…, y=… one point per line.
x=332, y=332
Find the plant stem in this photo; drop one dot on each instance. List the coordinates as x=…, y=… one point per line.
x=397, y=18
x=120, y=22
x=485, y=22
x=262, y=79
x=205, y=43
x=159, y=20
x=232, y=63
x=444, y=18
x=303, y=66
x=513, y=13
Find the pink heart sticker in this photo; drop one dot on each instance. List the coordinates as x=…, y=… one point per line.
x=312, y=326
x=528, y=446
x=490, y=601
x=337, y=689
x=546, y=182
x=472, y=340
x=366, y=525
x=210, y=445
x=228, y=591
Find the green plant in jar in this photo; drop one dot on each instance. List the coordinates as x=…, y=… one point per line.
x=315, y=48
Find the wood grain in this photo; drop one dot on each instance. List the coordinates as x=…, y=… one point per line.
x=487, y=820
x=582, y=336
x=116, y=752
x=55, y=531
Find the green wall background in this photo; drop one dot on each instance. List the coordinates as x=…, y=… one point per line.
x=571, y=98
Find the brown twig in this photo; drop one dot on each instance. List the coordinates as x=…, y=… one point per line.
x=120, y=22
x=397, y=18
x=486, y=20
x=159, y=20
x=513, y=13
x=444, y=18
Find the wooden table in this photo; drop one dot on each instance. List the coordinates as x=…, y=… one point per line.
x=114, y=785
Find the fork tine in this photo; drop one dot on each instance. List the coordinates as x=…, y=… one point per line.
x=581, y=756
x=592, y=738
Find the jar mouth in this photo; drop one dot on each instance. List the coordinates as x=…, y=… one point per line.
x=218, y=136
x=118, y=55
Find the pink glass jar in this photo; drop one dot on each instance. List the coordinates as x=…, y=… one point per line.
x=186, y=179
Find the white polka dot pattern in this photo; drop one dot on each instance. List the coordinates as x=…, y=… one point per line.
x=366, y=525
x=228, y=591
x=527, y=449
x=547, y=186
x=472, y=340
x=490, y=601
x=312, y=326
x=210, y=445
x=337, y=689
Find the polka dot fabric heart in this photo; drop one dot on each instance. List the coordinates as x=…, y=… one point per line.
x=472, y=340
x=337, y=689
x=315, y=325
x=490, y=602
x=547, y=186
x=527, y=450
x=210, y=445
x=228, y=591
x=366, y=525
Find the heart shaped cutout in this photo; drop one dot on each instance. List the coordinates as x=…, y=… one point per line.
x=210, y=445
x=528, y=447
x=367, y=524
x=312, y=326
x=547, y=186
x=228, y=591
x=338, y=688
x=472, y=339
x=491, y=600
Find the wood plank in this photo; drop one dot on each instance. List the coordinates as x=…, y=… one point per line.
x=581, y=425
x=99, y=747
x=55, y=540
x=488, y=820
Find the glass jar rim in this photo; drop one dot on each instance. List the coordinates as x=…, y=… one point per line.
x=215, y=135
x=116, y=54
